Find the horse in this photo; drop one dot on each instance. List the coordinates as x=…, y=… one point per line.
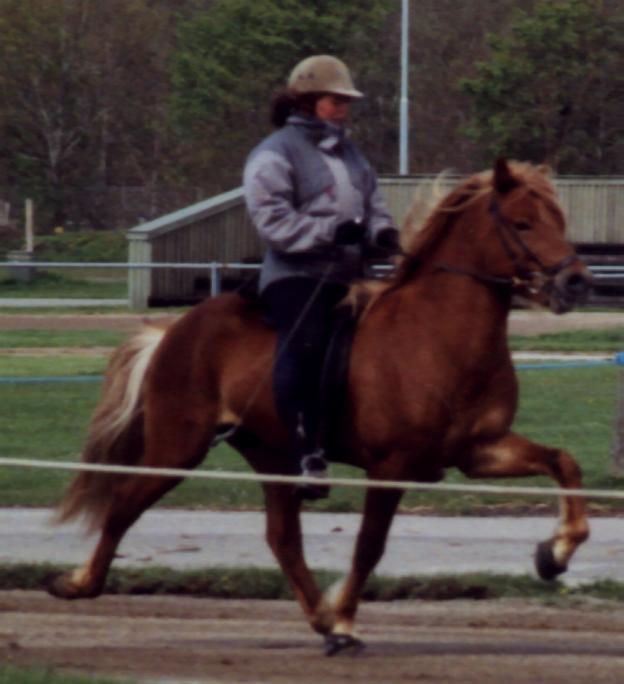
x=430, y=386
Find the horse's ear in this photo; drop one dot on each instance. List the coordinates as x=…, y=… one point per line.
x=504, y=182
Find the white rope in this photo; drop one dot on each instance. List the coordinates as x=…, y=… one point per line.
x=300, y=479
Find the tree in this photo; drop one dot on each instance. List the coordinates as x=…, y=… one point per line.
x=83, y=80
x=552, y=89
x=446, y=39
x=230, y=58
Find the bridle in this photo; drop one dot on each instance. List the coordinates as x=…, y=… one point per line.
x=520, y=254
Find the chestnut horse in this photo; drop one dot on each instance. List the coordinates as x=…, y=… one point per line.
x=431, y=386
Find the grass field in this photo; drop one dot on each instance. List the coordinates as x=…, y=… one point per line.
x=13, y=675
x=572, y=408
x=18, y=339
x=88, y=283
x=578, y=341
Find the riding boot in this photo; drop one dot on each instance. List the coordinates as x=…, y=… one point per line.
x=312, y=464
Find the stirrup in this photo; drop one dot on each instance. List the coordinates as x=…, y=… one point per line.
x=313, y=465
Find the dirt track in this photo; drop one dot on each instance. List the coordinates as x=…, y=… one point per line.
x=181, y=639
x=521, y=322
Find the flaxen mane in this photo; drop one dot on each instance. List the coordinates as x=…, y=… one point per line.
x=530, y=178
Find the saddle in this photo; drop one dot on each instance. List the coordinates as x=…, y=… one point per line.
x=335, y=371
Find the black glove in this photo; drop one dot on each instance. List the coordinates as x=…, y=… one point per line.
x=349, y=233
x=387, y=239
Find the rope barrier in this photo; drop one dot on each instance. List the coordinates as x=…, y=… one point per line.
x=300, y=479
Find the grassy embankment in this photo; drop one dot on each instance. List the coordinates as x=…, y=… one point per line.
x=88, y=246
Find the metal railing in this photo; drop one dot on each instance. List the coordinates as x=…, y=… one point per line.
x=599, y=272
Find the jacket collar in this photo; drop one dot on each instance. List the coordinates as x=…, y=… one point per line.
x=324, y=134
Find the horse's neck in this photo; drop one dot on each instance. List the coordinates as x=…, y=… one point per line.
x=469, y=310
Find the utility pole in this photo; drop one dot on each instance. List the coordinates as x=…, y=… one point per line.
x=404, y=102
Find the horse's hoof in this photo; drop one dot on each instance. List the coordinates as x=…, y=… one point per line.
x=546, y=564
x=342, y=643
x=62, y=586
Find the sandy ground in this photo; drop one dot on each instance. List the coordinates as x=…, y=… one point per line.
x=172, y=639
x=520, y=323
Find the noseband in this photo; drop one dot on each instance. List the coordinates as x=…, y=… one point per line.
x=519, y=253
x=516, y=248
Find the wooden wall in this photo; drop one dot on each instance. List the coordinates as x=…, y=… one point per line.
x=218, y=230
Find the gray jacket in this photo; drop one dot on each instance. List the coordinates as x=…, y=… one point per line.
x=300, y=183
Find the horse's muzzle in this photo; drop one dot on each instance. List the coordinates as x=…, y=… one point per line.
x=570, y=287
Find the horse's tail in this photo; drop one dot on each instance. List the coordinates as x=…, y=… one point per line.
x=115, y=434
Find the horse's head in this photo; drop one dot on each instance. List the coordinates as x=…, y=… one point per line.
x=505, y=229
x=527, y=226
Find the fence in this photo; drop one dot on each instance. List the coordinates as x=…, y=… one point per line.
x=218, y=230
x=212, y=273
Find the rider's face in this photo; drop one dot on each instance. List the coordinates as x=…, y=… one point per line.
x=333, y=108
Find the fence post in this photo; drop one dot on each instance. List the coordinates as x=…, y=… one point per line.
x=25, y=274
x=29, y=225
x=215, y=279
x=618, y=440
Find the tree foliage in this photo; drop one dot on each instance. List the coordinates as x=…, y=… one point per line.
x=230, y=58
x=84, y=79
x=552, y=89
x=169, y=96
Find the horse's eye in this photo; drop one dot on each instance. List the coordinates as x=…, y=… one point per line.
x=522, y=225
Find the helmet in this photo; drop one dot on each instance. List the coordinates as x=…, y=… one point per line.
x=323, y=74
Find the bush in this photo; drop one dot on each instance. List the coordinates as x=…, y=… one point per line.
x=88, y=246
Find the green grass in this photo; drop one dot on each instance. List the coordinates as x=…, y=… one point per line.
x=270, y=584
x=578, y=341
x=86, y=245
x=38, y=366
x=572, y=408
x=14, y=675
x=611, y=340
x=58, y=285
x=16, y=339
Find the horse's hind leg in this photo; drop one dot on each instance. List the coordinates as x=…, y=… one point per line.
x=516, y=456
x=132, y=497
x=169, y=443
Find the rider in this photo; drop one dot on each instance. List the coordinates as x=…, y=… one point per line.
x=314, y=200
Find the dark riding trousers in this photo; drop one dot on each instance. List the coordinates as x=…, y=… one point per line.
x=301, y=310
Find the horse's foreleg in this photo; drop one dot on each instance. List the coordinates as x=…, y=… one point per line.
x=343, y=598
x=284, y=536
x=516, y=456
